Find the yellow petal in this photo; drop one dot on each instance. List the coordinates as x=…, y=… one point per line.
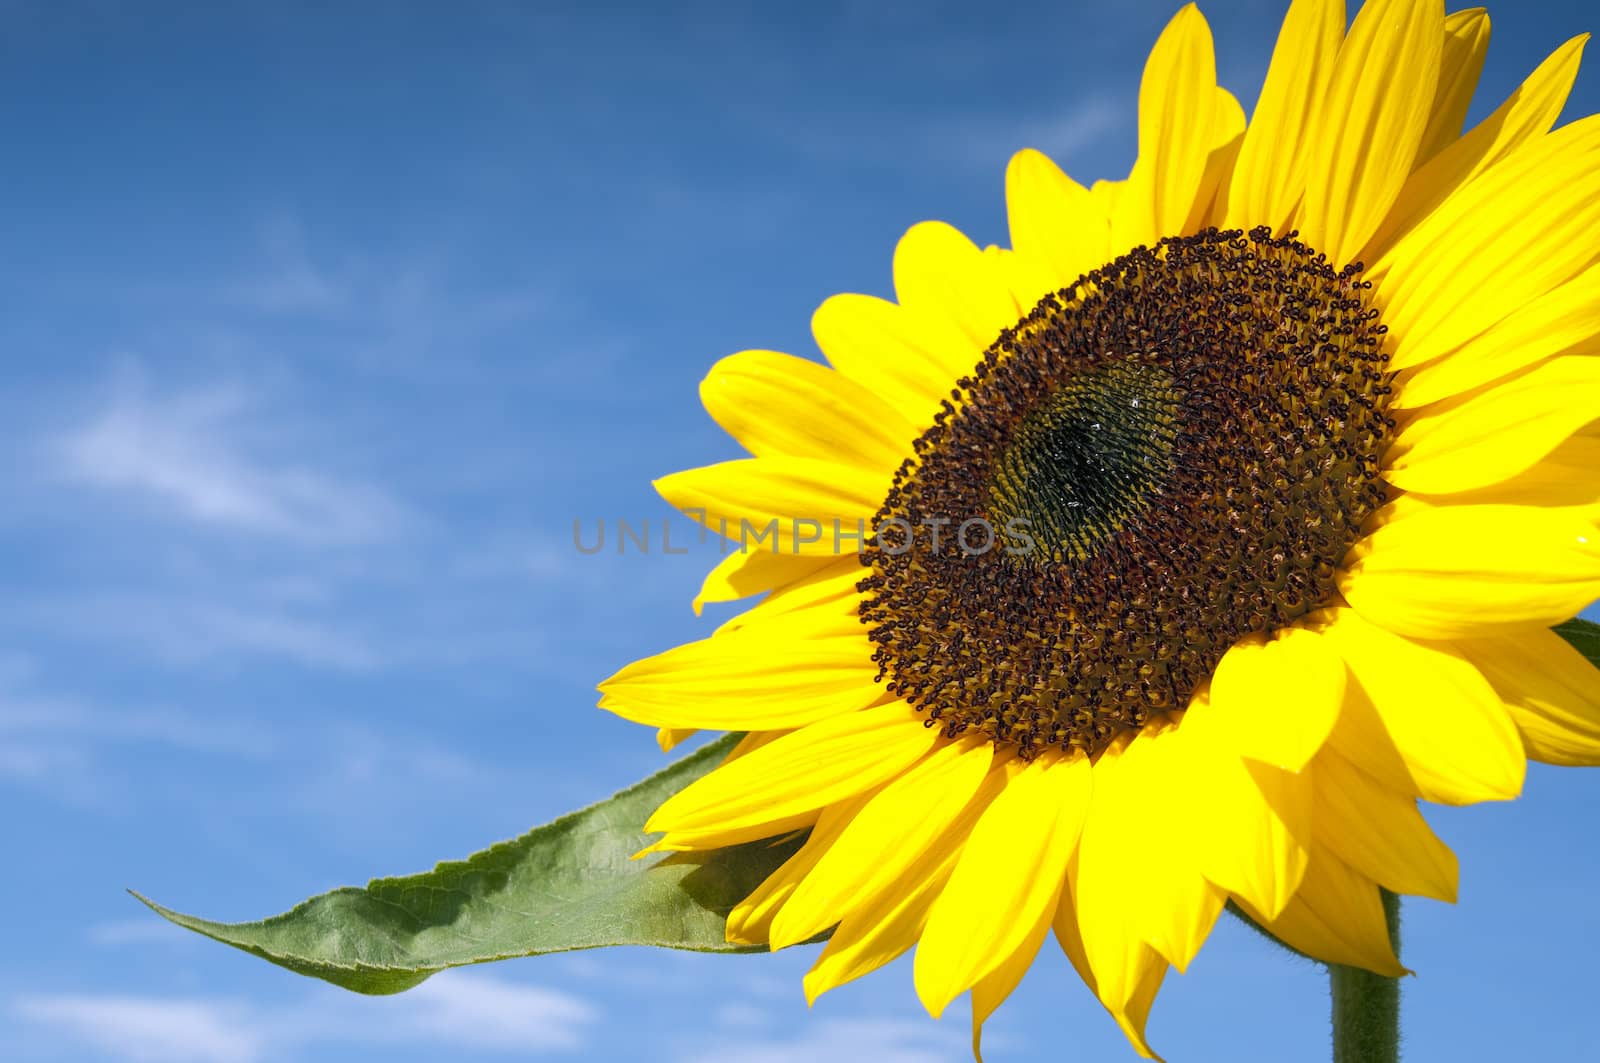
x=891, y=922
x=1370, y=125
x=1566, y=478
x=910, y=359
x=689, y=841
x=1461, y=571
x=1029, y=278
x=1495, y=245
x=1107, y=864
x=1260, y=816
x=1187, y=904
x=778, y=405
x=1008, y=880
x=830, y=591
x=993, y=988
x=1054, y=219
x=1227, y=135
x=940, y=275
x=786, y=505
x=1337, y=917
x=751, y=918
x=1127, y=990
x=1362, y=737
x=1270, y=174
x=897, y=826
x=752, y=742
x=1133, y=1016
x=1496, y=433
x=1177, y=105
x=1110, y=198
x=815, y=766
x=869, y=940
x=1380, y=833
x=1458, y=744
x=1279, y=698
x=1466, y=43
x=1565, y=320
x=766, y=677
x=745, y=572
x=1550, y=689
x=669, y=738
x=1148, y=891
x=1528, y=113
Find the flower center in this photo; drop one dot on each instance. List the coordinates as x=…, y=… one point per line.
x=1173, y=453
x=1088, y=458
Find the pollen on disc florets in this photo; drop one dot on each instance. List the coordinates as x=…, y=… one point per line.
x=1172, y=453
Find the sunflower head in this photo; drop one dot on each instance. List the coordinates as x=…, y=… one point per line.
x=1215, y=522
x=1180, y=447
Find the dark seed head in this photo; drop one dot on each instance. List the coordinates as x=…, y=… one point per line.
x=1177, y=451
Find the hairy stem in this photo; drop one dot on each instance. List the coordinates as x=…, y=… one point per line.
x=1366, y=1006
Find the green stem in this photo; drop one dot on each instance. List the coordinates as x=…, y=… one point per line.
x=1366, y=1006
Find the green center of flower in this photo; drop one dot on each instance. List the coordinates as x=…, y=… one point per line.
x=1087, y=459
x=1173, y=453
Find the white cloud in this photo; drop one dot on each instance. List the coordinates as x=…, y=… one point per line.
x=291, y=280
x=489, y=1013
x=456, y=1010
x=85, y=752
x=142, y=931
x=26, y=712
x=1067, y=134
x=843, y=1041
x=181, y=629
x=58, y=745
x=63, y=770
x=387, y=308
x=980, y=140
x=266, y=543
x=742, y=1016
x=191, y=454
x=152, y=1028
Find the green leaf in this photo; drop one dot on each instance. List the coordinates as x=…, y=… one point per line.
x=566, y=885
x=1584, y=636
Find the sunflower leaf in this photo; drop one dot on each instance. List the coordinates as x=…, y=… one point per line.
x=1584, y=636
x=569, y=884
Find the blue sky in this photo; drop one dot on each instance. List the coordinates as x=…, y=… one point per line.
x=323, y=324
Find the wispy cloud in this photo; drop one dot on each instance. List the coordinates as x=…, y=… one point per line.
x=215, y=521
x=144, y=931
x=86, y=753
x=228, y=521
x=385, y=308
x=206, y=455
x=459, y=1010
x=25, y=711
x=152, y=1028
x=1067, y=134
x=975, y=141
x=981, y=141
x=64, y=771
x=290, y=279
x=183, y=627
x=485, y=1012
x=60, y=747
x=842, y=1041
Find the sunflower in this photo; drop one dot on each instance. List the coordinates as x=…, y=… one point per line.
x=1170, y=556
